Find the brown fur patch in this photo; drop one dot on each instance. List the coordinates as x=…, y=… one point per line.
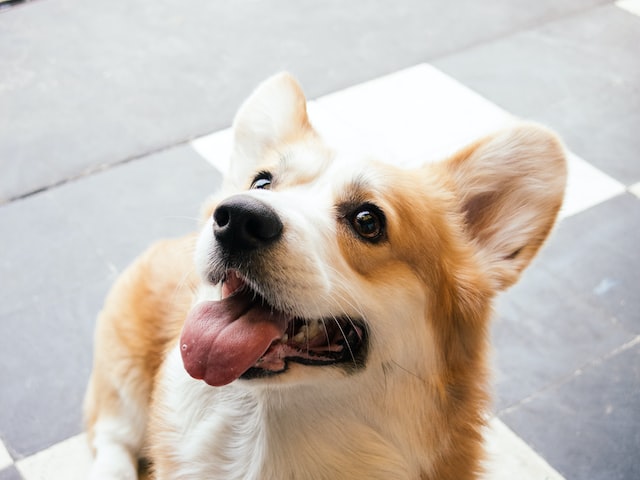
x=424, y=237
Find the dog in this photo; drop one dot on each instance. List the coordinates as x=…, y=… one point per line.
x=330, y=320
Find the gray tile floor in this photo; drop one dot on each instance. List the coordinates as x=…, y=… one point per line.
x=97, y=99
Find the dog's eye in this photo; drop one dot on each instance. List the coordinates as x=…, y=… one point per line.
x=262, y=181
x=368, y=222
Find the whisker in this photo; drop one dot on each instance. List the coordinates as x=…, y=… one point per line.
x=183, y=281
x=406, y=370
x=348, y=297
x=346, y=341
x=326, y=332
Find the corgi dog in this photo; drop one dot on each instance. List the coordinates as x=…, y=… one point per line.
x=330, y=320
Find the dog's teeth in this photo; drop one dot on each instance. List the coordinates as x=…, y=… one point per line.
x=309, y=330
x=285, y=338
x=313, y=328
x=301, y=336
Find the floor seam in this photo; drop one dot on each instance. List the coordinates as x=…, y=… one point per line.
x=569, y=377
x=94, y=170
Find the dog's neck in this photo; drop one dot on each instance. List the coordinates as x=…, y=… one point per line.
x=349, y=431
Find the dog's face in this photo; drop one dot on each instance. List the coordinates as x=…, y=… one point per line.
x=330, y=266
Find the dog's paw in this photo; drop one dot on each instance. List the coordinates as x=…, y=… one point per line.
x=114, y=463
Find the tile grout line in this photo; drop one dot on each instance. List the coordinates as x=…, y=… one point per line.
x=97, y=169
x=569, y=377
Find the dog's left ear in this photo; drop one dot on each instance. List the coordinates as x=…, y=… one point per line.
x=510, y=187
x=275, y=113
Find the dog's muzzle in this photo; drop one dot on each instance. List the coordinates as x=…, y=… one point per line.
x=252, y=330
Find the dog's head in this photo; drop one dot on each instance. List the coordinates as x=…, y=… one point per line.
x=330, y=266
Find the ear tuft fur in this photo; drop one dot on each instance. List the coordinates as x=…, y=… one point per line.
x=275, y=112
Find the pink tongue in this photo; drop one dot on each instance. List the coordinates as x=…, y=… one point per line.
x=222, y=340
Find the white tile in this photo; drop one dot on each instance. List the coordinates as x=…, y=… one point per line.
x=5, y=458
x=215, y=148
x=587, y=186
x=68, y=460
x=346, y=137
x=632, y=6
x=510, y=458
x=418, y=114
x=635, y=189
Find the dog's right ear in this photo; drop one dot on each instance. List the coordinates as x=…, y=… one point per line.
x=510, y=187
x=275, y=113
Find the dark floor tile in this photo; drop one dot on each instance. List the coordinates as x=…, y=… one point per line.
x=10, y=473
x=580, y=75
x=578, y=301
x=86, y=83
x=596, y=254
x=61, y=250
x=589, y=427
x=543, y=334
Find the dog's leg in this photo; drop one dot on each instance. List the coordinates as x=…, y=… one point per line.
x=142, y=316
x=116, y=407
x=116, y=413
x=116, y=444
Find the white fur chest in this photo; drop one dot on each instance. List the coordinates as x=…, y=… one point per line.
x=232, y=433
x=210, y=432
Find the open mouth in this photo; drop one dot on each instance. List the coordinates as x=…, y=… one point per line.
x=242, y=335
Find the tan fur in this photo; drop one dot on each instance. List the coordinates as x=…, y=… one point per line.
x=457, y=233
x=141, y=319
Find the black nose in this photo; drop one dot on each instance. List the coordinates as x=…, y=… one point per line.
x=242, y=222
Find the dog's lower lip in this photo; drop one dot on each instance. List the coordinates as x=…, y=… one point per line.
x=231, y=283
